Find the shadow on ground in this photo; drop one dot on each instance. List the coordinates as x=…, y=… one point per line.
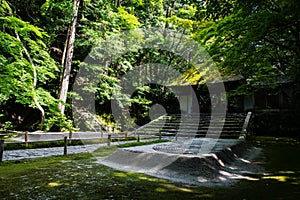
x=78, y=177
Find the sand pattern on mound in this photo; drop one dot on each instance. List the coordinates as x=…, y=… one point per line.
x=228, y=162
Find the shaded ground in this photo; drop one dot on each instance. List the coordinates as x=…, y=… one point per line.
x=78, y=177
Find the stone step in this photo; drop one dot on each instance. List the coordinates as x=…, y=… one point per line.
x=192, y=128
x=191, y=125
x=210, y=132
x=205, y=114
x=159, y=124
x=201, y=118
x=155, y=126
x=188, y=133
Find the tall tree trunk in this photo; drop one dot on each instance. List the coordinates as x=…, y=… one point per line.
x=68, y=62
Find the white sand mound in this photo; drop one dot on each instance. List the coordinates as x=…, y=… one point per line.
x=221, y=167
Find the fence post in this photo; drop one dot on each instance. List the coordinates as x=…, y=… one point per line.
x=109, y=140
x=70, y=137
x=26, y=138
x=1, y=149
x=65, y=145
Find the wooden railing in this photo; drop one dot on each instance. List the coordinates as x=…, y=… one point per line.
x=245, y=134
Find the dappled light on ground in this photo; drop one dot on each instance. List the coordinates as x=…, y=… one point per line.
x=292, y=177
x=54, y=184
x=80, y=177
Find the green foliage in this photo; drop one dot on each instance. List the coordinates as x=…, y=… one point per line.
x=19, y=40
x=150, y=12
x=57, y=15
x=7, y=125
x=185, y=24
x=4, y=8
x=60, y=121
x=257, y=39
x=188, y=12
x=128, y=21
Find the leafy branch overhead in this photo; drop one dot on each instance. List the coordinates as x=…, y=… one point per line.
x=257, y=39
x=44, y=43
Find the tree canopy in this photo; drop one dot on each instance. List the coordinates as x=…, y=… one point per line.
x=44, y=43
x=257, y=39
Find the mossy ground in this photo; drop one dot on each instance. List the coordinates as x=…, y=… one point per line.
x=79, y=177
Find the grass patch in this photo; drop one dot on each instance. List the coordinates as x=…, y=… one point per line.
x=80, y=177
x=14, y=167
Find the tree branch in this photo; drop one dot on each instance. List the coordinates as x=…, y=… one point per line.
x=38, y=105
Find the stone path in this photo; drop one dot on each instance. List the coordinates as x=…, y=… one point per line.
x=46, y=152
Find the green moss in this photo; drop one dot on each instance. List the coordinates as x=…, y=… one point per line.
x=80, y=177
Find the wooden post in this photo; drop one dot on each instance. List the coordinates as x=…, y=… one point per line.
x=70, y=137
x=1, y=149
x=109, y=140
x=26, y=138
x=65, y=145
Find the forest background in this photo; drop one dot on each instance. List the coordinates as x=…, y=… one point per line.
x=43, y=44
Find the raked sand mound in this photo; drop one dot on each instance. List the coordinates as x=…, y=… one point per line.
x=220, y=167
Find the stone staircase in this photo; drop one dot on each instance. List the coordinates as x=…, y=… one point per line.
x=196, y=125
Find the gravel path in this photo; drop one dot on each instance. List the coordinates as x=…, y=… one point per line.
x=53, y=151
x=47, y=152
